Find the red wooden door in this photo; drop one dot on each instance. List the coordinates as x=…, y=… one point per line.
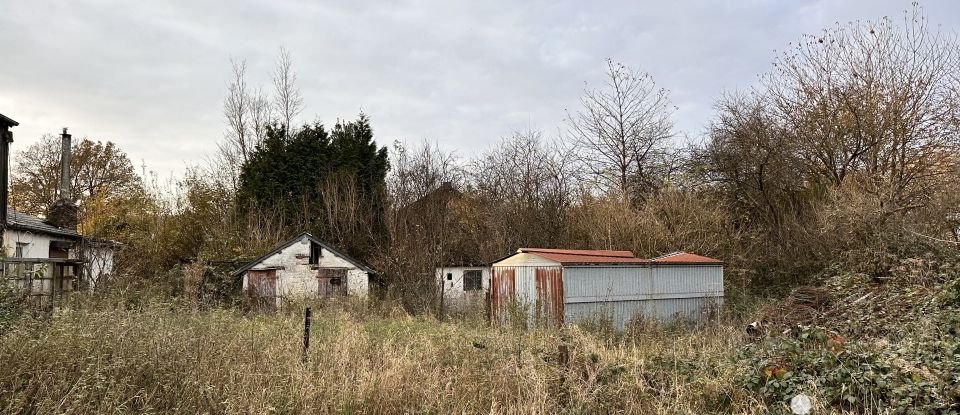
x=262, y=284
x=332, y=282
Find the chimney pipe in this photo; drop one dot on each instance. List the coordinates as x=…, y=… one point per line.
x=6, y=137
x=65, y=191
x=63, y=212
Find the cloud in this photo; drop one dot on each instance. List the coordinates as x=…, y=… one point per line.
x=152, y=76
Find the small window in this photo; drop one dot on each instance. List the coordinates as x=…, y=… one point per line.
x=20, y=250
x=315, y=252
x=473, y=280
x=449, y=276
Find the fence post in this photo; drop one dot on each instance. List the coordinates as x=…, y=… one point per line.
x=307, y=314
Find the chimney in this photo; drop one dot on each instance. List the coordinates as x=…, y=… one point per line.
x=65, y=193
x=63, y=213
x=6, y=137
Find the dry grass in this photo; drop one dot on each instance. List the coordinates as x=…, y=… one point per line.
x=169, y=359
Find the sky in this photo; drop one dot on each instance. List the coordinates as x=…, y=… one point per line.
x=151, y=76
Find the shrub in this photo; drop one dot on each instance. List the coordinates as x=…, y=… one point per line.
x=912, y=377
x=12, y=305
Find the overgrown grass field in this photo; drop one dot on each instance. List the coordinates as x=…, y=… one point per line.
x=861, y=343
x=167, y=358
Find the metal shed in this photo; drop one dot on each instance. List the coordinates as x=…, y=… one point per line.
x=557, y=286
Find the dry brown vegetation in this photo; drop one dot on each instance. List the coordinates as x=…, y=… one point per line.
x=838, y=172
x=162, y=358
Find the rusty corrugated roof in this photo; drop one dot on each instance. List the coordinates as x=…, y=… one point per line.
x=600, y=256
x=684, y=258
x=584, y=256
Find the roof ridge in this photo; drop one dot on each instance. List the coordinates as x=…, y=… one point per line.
x=582, y=252
x=674, y=253
x=284, y=245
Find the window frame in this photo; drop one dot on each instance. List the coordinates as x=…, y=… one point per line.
x=19, y=249
x=468, y=280
x=316, y=252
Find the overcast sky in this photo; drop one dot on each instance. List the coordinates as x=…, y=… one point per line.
x=152, y=77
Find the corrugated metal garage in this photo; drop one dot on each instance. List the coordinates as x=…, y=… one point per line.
x=557, y=286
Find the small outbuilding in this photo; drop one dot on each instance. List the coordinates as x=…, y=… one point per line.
x=464, y=283
x=304, y=267
x=558, y=286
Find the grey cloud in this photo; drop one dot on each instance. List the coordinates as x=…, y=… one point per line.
x=151, y=76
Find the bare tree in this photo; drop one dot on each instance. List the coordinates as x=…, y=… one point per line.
x=417, y=171
x=877, y=103
x=287, y=100
x=423, y=185
x=622, y=131
x=261, y=115
x=248, y=112
x=526, y=185
x=236, y=110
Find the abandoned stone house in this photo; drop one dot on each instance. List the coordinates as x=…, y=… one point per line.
x=47, y=256
x=304, y=267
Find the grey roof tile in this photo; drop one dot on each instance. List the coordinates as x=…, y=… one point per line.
x=23, y=221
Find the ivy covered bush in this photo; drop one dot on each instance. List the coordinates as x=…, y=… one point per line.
x=913, y=377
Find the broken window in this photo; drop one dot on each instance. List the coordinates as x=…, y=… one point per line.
x=21, y=248
x=315, y=252
x=473, y=280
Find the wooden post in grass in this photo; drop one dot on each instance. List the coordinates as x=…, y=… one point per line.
x=307, y=314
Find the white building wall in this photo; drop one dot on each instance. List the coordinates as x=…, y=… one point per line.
x=99, y=266
x=453, y=286
x=297, y=278
x=38, y=244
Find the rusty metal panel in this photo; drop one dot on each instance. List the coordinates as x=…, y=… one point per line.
x=529, y=289
x=502, y=293
x=550, y=300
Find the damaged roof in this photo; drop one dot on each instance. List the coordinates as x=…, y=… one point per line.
x=602, y=257
x=685, y=258
x=25, y=222
x=584, y=256
x=296, y=239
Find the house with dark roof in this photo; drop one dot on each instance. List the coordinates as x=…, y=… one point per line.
x=47, y=256
x=304, y=267
x=28, y=238
x=560, y=286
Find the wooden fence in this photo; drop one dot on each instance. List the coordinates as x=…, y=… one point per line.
x=46, y=281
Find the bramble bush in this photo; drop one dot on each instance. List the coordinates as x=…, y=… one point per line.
x=916, y=376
